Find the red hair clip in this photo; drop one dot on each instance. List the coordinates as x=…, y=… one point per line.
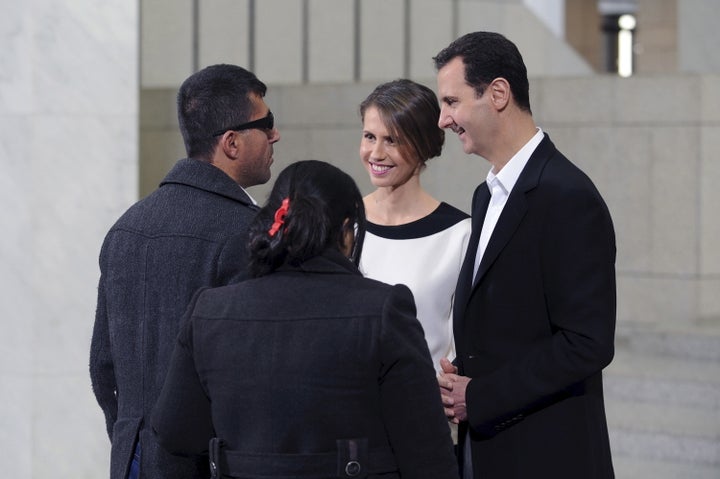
x=279, y=217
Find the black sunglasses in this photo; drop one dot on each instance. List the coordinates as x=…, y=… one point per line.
x=266, y=123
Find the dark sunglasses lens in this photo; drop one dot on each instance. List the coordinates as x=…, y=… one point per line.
x=266, y=123
x=269, y=121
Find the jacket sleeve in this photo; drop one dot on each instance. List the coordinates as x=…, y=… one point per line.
x=102, y=372
x=181, y=419
x=577, y=277
x=417, y=428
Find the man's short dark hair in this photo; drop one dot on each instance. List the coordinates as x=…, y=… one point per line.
x=487, y=56
x=211, y=99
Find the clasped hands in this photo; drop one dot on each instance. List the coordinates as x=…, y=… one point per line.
x=452, y=391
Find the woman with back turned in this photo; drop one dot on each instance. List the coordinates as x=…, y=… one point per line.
x=307, y=370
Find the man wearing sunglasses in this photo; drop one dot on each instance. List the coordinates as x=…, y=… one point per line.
x=187, y=234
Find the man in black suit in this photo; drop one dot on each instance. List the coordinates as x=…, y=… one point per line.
x=186, y=234
x=534, y=313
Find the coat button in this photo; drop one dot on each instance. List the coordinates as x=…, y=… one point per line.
x=352, y=468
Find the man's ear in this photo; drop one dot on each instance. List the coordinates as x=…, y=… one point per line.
x=500, y=93
x=231, y=144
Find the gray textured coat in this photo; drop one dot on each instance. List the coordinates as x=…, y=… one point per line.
x=187, y=234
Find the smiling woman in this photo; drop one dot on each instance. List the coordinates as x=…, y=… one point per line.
x=412, y=238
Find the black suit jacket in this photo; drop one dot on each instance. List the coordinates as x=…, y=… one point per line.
x=283, y=366
x=536, y=329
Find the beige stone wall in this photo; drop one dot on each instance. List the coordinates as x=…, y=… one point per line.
x=650, y=143
x=329, y=41
x=654, y=162
x=647, y=141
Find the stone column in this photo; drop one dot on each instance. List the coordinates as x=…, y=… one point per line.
x=68, y=168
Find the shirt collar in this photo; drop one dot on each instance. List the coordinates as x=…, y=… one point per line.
x=510, y=173
x=249, y=196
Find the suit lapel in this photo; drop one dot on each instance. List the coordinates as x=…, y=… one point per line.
x=515, y=208
x=510, y=218
x=481, y=199
x=508, y=222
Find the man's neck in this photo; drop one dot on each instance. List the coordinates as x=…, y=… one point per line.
x=519, y=130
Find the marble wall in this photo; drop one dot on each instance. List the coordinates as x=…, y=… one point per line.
x=68, y=166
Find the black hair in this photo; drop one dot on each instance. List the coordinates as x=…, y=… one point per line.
x=410, y=111
x=324, y=203
x=487, y=56
x=211, y=99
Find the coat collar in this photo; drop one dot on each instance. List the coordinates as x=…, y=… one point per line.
x=204, y=176
x=329, y=262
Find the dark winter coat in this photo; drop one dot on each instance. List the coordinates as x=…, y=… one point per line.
x=308, y=372
x=187, y=234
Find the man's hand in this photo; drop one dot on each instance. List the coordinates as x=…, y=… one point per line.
x=452, y=391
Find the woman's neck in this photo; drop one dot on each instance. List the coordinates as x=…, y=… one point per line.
x=398, y=206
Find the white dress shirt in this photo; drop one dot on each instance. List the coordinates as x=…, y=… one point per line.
x=500, y=186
